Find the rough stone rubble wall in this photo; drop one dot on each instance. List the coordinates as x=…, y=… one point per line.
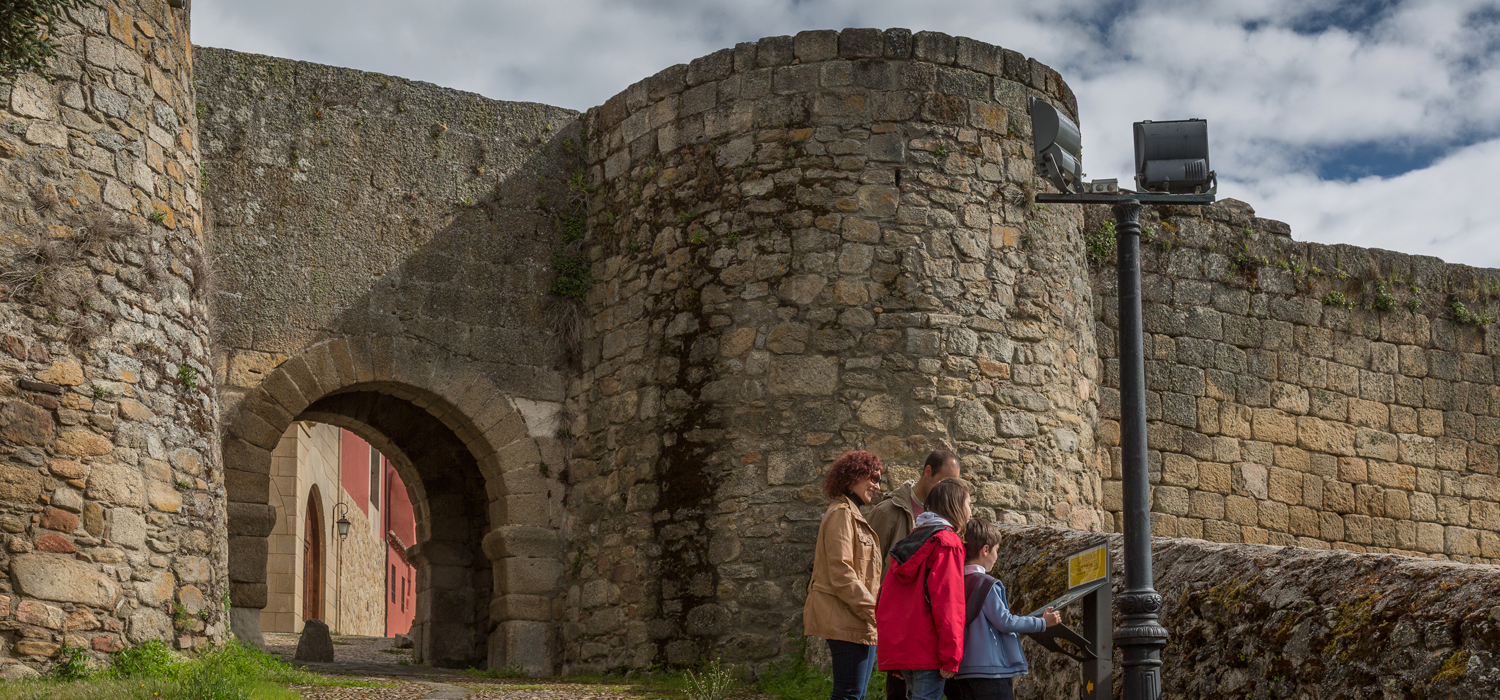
x=1279, y=414
x=800, y=247
x=1260, y=621
x=111, y=502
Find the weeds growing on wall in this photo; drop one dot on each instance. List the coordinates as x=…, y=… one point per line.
x=573, y=277
x=1337, y=298
x=1101, y=244
x=49, y=269
x=1462, y=314
x=27, y=31
x=1383, y=299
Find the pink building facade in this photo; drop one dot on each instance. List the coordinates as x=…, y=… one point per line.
x=401, y=576
x=360, y=583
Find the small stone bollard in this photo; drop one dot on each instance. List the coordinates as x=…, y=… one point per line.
x=403, y=641
x=315, y=644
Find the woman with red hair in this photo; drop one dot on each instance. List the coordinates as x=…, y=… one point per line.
x=841, y=598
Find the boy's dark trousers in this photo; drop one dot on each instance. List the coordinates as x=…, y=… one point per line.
x=981, y=689
x=895, y=687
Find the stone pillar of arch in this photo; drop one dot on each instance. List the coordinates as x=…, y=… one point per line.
x=803, y=246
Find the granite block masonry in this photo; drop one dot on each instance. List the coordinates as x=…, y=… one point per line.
x=111, y=497
x=1310, y=395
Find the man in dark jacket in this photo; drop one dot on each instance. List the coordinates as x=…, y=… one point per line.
x=893, y=519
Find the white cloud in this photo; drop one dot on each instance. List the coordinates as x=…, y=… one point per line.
x=1448, y=209
x=1280, y=97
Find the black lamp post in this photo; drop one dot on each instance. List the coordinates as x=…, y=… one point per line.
x=1171, y=161
x=340, y=511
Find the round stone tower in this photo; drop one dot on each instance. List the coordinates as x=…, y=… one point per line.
x=804, y=246
x=110, y=500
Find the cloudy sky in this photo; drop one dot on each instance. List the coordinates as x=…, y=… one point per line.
x=1356, y=121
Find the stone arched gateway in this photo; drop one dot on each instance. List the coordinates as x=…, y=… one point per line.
x=487, y=551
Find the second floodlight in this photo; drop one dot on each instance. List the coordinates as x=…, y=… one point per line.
x=1058, y=146
x=1172, y=157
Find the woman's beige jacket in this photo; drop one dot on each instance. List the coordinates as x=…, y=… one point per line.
x=845, y=579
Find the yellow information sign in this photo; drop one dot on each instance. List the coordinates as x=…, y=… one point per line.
x=1088, y=565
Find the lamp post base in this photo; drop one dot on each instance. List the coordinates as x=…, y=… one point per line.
x=1140, y=639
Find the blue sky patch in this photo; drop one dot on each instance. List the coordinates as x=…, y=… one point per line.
x=1358, y=160
x=1353, y=16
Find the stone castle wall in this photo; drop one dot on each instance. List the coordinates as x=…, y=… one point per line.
x=795, y=248
x=111, y=498
x=1307, y=394
x=801, y=247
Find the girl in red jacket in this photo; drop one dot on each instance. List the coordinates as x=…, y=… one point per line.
x=920, y=615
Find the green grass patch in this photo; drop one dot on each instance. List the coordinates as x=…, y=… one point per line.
x=792, y=679
x=513, y=670
x=152, y=671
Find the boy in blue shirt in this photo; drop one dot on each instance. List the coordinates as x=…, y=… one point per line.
x=992, y=648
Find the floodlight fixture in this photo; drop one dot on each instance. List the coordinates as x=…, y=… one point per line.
x=1172, y=157
x=1058, y=146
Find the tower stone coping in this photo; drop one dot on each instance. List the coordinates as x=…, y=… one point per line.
x=683, y=89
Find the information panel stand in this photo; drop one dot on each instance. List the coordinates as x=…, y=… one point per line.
x=1089, y=581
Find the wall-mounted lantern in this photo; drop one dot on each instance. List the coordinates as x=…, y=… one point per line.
x=342, y=511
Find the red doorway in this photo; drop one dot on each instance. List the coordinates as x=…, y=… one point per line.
x=312, y=559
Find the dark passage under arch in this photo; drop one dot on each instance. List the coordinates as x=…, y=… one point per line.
x=450, y=503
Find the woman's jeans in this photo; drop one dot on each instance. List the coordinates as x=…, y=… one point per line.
x=852, y=664
x=924, y=685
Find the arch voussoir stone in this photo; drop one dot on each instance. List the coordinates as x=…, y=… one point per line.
x=382, y=360
x=343, y=361
x=261, y=403
x=320, y=365
x=296, y=369
x=247, y=457
x=256, y=430
x=285, y=391
x=360, y=360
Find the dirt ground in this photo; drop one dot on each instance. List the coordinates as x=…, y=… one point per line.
x=377, y=659
x=346, y=648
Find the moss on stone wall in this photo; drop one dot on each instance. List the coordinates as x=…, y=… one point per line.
x=1252, y=621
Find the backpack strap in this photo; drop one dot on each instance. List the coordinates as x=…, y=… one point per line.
x=977, y=588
